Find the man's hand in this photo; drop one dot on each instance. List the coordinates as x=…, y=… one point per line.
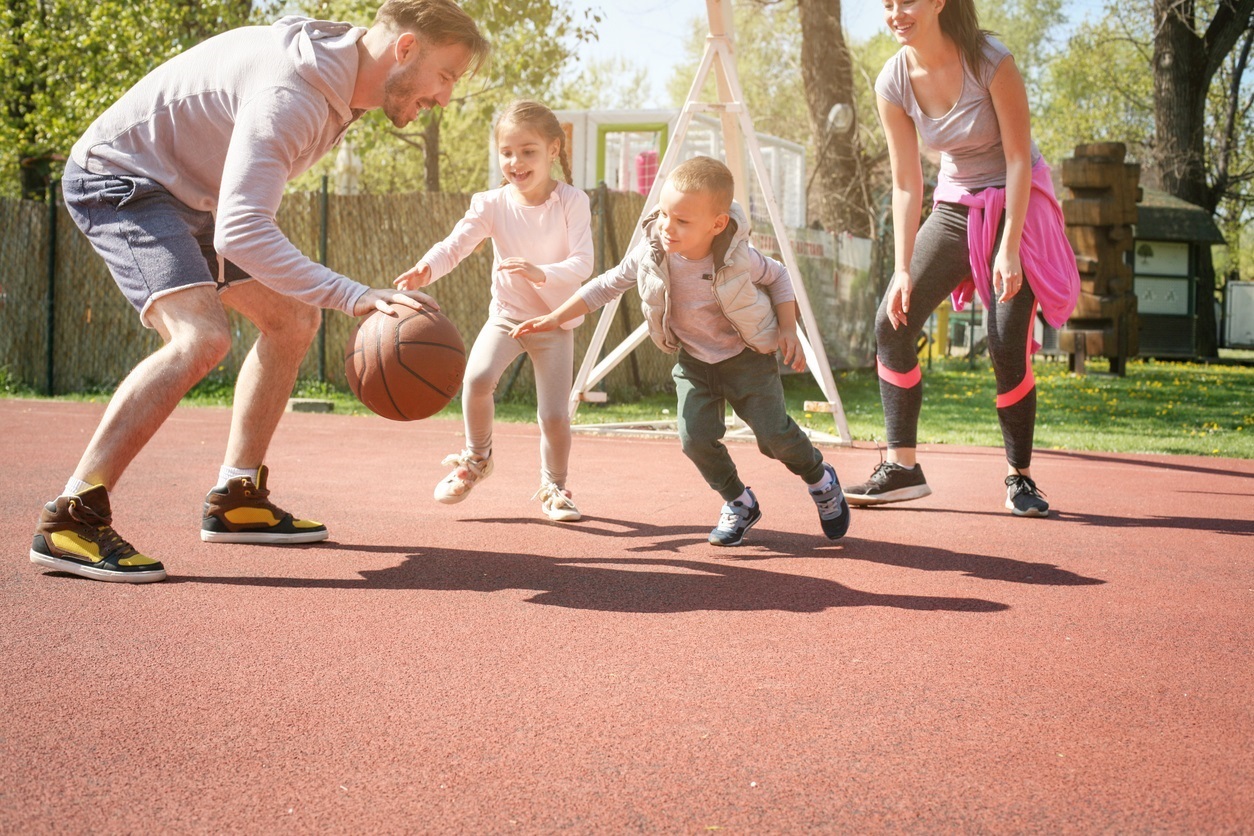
x=524, y=268
x=378, y=299
x=790, y=346
x=532, y=326
x=415, y=277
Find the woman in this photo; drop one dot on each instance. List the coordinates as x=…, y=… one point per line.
x=996, y=228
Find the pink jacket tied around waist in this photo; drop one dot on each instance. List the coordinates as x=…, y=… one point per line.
x=1048, y=262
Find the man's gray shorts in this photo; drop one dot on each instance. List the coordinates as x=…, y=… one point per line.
x=153, y=243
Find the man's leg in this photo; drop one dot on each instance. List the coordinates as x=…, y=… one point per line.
x=268, y=373
x=75, y=532
x=197, y=338
x=237, y=509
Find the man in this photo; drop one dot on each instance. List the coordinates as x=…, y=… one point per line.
x=177, y=185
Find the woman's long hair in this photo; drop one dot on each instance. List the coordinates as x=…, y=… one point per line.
x=961, y=23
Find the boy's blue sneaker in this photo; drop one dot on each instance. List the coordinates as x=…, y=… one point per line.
x=833, y=509
x=734, y=522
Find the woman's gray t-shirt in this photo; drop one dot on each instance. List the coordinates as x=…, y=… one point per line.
x=968, y=136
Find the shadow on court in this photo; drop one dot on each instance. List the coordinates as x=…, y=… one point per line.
x=476, y=668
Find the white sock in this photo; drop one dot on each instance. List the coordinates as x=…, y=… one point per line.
x=824, y=483
x=226, y=473
x=75, y=486
x=746, y=499
x=904, y=466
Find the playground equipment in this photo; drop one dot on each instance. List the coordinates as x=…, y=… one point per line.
x=623, y=149
x=739, y=140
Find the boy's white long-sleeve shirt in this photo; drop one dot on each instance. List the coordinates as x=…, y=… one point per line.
x=555, y=236
x=696, y=319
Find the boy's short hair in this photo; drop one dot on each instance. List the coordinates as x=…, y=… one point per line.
x=439, y=22
x=705, y=174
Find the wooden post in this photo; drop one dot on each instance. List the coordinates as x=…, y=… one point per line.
x=1099, y=212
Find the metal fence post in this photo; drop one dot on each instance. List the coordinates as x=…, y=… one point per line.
x=323, y=203
x=50, y=369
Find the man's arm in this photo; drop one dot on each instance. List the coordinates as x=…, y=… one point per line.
x=270, y=134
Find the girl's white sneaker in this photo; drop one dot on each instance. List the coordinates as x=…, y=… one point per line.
x=557, y=503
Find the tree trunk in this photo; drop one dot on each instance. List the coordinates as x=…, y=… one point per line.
x=827, y=74
x=1185, y=62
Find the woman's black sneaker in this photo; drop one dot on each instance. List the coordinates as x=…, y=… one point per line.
x=889, y=483
x=1023, y=498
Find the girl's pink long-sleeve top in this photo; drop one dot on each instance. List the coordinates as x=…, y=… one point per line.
x=555, y=236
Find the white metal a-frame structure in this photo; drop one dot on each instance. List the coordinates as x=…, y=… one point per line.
x=737, y=129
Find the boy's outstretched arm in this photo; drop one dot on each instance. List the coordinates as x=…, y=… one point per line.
x=789, y=343
x=568, y=310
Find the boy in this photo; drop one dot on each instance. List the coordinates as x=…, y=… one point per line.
x=725, y=309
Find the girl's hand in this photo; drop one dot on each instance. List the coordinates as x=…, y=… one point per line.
x=1007, y=275
x=524, y=268
x=899, y=299
x=415, y=277
x=531, y=326
x=790, y=346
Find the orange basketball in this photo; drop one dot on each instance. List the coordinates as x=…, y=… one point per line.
x=405, y=367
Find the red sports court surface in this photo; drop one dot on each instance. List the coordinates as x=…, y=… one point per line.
x=473, y=668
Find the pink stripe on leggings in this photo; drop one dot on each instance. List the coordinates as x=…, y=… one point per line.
x=902, y=380
x=1029, y=378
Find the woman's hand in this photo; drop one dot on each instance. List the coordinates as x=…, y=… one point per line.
x=899, y=299
x=1007, y=275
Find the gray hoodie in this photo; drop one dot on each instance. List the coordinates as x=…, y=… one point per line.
x=225, y=125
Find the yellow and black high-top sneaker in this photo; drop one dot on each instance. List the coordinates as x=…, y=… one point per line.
x=241, y=513
x=76, y=535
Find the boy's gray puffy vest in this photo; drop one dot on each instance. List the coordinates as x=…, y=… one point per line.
x=745, y=305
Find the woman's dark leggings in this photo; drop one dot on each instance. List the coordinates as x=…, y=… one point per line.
x=940, y=263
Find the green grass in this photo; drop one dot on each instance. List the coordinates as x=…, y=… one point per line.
x=1158, y=407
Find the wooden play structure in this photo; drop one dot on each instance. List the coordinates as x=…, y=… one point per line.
x=1100, y=212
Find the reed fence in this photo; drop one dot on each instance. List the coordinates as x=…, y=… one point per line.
x=65, y=328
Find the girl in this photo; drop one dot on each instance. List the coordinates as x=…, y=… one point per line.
x=995, y=227
x=541, y=231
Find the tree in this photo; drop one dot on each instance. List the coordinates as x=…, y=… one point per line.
x=845, y=203
x=1234, y=99
x=1110, y=100
x=65, y=61
x=786, y=85
x=446, y=148
x=1188, y=54
x=615, y=83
